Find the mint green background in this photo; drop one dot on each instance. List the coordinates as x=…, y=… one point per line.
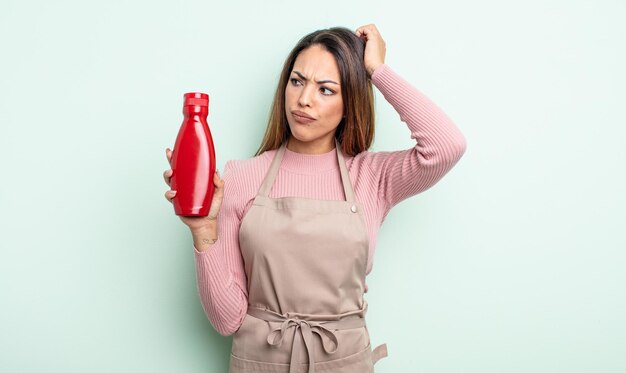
x=514, y=262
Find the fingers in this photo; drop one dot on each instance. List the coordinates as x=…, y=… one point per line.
x=218, y=193
x=167, y=176
x=170, y=194
x=367, y=31
x=375, y=48
x=168, y=155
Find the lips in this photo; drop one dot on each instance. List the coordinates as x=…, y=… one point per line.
x=300, y=114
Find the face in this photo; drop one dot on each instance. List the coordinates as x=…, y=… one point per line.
x=313, y=89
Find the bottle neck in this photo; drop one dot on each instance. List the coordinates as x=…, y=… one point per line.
x=193, y=111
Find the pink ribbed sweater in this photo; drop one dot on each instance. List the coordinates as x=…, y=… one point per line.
x=380, y=181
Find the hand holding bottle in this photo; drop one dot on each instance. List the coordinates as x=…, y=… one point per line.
x=198, y=223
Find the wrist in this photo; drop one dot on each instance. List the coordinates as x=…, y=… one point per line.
x=374, y=68
x=207, y=227
x=204, y=237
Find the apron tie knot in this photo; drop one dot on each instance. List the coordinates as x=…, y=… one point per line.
x=306, y=328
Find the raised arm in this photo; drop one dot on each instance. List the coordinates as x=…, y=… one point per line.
x=438, y=142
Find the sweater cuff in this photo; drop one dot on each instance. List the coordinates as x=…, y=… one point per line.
x=378, y=71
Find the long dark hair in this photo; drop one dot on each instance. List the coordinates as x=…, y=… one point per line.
x=355, y=132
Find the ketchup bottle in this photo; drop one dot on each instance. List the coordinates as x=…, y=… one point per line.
x=193, y=159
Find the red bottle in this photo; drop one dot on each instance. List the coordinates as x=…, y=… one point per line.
x=193, y=159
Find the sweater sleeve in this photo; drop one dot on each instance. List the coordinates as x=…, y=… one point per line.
x=438, y=143
x=220, y=274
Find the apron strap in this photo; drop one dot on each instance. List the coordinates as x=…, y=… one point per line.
x=268, y=181
x=345, y=177
x=379, y=352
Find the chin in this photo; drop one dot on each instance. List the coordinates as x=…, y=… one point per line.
x=298, y=137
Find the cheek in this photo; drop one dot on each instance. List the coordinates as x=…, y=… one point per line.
x=289, y=94
x=336, y=108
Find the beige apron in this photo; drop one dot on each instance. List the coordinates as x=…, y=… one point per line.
x=305, y=260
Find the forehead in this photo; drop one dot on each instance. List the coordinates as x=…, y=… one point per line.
x=317, y=62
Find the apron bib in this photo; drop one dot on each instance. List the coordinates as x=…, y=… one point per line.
x=305, y=261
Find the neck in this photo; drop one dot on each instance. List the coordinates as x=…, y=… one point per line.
x=320, y=147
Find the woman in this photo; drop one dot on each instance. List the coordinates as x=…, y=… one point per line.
x=297, y=222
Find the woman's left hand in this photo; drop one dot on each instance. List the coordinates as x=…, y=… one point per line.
x=374, y=47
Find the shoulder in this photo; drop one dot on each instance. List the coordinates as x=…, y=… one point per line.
x=366, y=159
x=243, y=166
x=243, y=176
x=360, y=167
x=369, y=166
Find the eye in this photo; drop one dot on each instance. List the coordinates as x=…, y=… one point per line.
x=294, y=81
x=330, y=92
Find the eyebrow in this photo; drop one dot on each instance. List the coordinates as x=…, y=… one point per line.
x=318, y=82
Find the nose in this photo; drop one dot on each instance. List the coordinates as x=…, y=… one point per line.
x=305, y=96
